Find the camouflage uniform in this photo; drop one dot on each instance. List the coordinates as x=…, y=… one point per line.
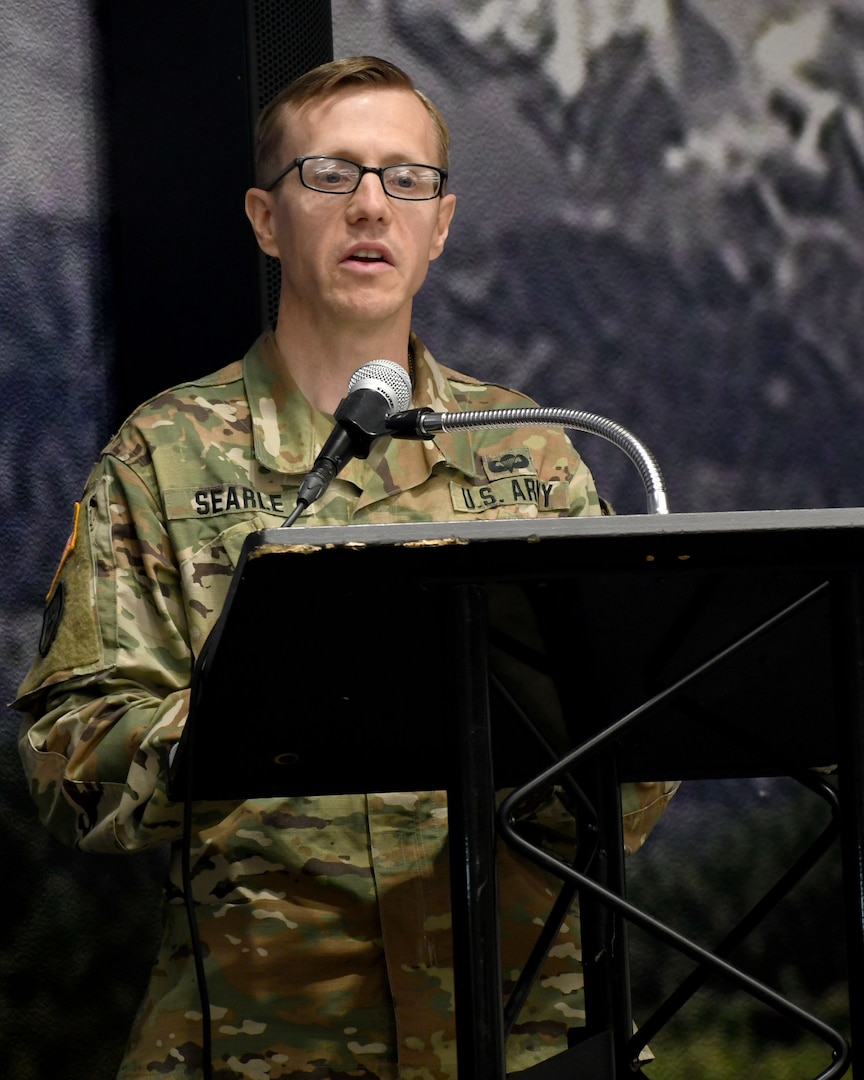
x=324, y=921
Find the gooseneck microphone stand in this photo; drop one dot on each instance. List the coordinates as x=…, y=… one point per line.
x=424, y=423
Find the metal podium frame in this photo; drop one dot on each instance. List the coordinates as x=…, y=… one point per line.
x=715, y=583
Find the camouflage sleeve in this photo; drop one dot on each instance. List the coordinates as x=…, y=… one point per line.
x=556, y=456
x=584, y=498
x=107, y=695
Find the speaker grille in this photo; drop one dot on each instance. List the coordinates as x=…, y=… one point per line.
x=188, y=287
x=288, y=40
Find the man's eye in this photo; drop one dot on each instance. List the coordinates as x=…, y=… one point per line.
x=406, y=178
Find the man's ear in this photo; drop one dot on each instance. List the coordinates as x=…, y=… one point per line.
x=259, y=210
x=446, y=209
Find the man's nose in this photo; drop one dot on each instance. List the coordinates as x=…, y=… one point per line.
x=369, y=197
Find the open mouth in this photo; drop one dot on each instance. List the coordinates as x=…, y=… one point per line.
x=366, y=256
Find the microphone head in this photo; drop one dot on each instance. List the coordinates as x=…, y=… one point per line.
x=388, y=379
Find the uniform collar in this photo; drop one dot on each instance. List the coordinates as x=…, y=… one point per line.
x=288, y=432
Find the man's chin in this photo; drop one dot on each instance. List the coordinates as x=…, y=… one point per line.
x=370, y=306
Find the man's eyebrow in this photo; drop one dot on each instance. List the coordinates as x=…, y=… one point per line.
x=386, y=159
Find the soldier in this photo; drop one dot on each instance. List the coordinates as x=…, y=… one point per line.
x=323, y=922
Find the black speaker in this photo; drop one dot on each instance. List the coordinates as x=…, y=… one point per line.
x=184, y=80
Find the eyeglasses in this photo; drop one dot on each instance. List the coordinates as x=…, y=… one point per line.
x=338, y=176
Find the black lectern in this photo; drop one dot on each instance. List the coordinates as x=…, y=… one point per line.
x=718, y=645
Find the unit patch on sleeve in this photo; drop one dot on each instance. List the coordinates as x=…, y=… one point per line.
x=67, y=550
x=51, y=617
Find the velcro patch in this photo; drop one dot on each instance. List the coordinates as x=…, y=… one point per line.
x=549, y=495
x=517, y=462
x=220, y=499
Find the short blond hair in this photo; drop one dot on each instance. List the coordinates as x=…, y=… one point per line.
x=324, y=81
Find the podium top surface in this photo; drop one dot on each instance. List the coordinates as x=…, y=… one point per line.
x=811, y=537
x=737, y=521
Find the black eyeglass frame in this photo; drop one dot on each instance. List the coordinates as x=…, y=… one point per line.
x=298, y=163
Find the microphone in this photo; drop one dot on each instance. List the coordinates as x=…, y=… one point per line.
x=375, y=390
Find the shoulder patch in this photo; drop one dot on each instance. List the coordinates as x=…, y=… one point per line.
x=67, y=551
x=51, y=617
x=70, y=643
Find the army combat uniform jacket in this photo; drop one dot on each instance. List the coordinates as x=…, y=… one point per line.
x=324, y=922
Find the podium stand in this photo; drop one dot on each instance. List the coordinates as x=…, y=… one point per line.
x=718, y=645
